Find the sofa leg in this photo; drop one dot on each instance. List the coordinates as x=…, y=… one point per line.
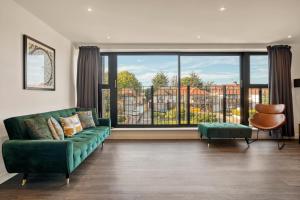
x=102, y=145
x=208, y=142
x=67, y=179
x=24, y=180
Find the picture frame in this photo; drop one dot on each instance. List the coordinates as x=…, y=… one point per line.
x=38, y=65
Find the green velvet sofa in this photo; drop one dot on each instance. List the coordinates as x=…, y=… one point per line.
x=23, y=155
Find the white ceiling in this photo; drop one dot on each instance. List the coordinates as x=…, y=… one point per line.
x=171, y=21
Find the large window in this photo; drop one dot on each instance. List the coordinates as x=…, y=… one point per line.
x=181, y=89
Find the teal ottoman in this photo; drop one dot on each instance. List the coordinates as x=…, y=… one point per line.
x=224, y=130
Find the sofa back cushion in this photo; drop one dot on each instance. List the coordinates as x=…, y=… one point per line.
x=16, y=128
x=38, y=129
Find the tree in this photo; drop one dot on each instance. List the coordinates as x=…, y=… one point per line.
x=160, y=80
x=192, y=80
x=128, y=80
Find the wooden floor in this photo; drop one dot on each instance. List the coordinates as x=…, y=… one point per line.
x=175, y=170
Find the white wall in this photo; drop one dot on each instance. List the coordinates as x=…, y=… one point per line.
x=15, y=21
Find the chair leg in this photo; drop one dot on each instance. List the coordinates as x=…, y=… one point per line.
x=24, y=179
x=253, y=140
x=280, y=146
x=67, y=178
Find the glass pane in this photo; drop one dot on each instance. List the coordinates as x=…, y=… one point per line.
x=104, y=72
x=259, y=72
x=147, y=89
x=105, y=103
x=207, y=82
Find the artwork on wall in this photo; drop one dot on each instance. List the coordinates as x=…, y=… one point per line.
x=39, y=65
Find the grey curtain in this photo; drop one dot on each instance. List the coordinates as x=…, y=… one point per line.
x=87, y=77
x=280, y=60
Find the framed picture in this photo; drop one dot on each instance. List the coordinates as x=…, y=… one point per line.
x=39, y=65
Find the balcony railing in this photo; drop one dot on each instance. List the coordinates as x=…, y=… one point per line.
x=188, y=106
x=257, y=95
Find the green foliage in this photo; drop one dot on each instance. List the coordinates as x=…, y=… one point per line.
x=171, y=114
x=192, y=80
x=251, y=112
x=121, y=119
x=128, y=80
x=196, y=117
x=160, y=80
x=238, y=112
x=159, y=115
x=203, y=117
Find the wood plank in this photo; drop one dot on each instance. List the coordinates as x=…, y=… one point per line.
x=173, y=169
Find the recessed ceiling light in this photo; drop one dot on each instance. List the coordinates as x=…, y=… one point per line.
x=108, y=37
x=198, y=36
x=290, y=36
x=222, y=9
x=90, y=9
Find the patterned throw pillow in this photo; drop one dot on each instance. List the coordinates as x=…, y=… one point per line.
x=38, y=128
x=86, y=119
x=71, y=125
x=94, y=111
x=56, y=129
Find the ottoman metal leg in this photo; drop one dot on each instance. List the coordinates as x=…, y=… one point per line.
x=248, y=142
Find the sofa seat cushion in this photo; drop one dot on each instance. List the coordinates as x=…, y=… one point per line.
x=86, y=141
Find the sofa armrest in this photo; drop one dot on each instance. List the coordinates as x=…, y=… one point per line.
x=40, y=156
x=104, y=122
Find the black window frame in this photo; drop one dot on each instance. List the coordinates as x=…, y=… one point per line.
x=244, y=69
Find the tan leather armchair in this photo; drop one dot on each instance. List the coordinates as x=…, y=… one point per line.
x=269, y=118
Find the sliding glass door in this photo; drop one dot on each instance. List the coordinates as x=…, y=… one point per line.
x=206, y=82
x=147, y=89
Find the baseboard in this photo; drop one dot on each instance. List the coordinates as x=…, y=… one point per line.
x=6, y=177
x=160, y=134
x=154, y=134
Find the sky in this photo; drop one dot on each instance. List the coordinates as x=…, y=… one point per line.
x=217, y=69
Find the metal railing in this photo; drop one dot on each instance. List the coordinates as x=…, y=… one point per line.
x=257, y=95
x=188, y=105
